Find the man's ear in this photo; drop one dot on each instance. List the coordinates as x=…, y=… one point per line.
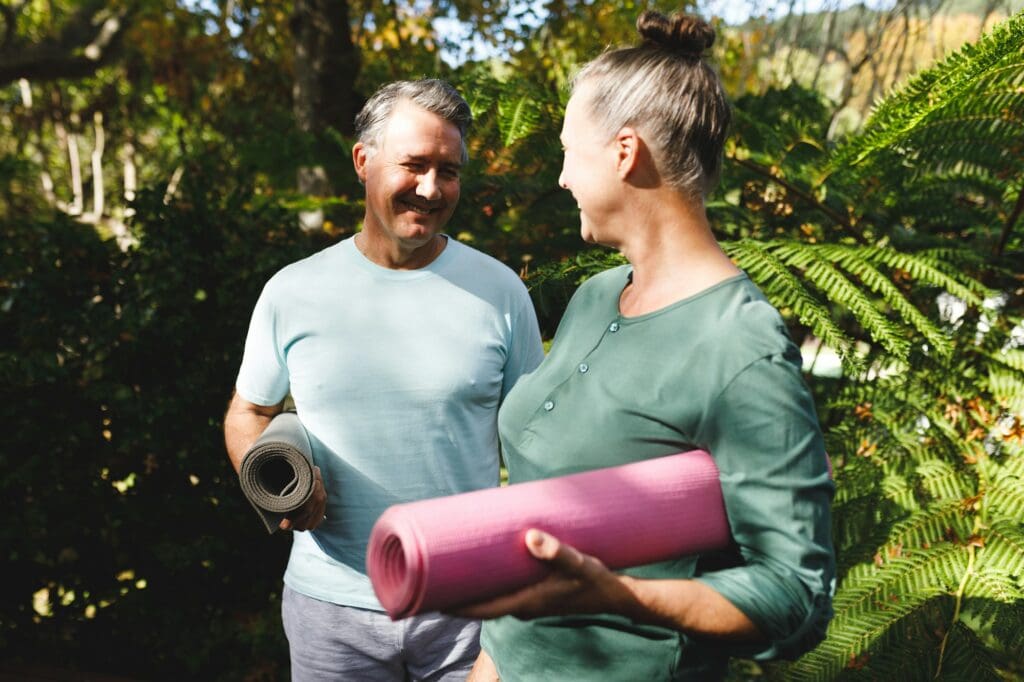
x=360, y=154
x=627, y=151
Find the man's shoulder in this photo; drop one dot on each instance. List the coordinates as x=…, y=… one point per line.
x=325, y=262
x=475, y=263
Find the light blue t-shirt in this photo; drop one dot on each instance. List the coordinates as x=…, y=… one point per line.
x=397, y=376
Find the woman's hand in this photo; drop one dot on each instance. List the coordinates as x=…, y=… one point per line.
x=578, y=583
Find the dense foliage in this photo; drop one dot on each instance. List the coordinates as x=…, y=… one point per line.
x=127, y=546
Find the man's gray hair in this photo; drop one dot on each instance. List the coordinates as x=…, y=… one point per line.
x=432, y=94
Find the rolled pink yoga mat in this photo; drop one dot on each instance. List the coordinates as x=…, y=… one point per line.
x=444, y=552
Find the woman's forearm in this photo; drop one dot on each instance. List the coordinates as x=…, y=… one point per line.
x=689, y=606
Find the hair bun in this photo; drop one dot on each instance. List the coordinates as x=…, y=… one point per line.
x=682, y=33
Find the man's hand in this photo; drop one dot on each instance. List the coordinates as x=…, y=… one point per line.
x=578, y=583
x=311, y=514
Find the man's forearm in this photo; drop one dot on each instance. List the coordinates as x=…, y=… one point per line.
x=243, y=424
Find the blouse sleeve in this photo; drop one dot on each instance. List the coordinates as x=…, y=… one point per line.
x=764, y=435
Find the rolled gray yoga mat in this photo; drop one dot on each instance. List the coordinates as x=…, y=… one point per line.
x=277, y=472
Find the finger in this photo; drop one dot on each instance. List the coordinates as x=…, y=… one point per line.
x=549, y=548
x=513, y=603
x=541, y=545
x=309, y=515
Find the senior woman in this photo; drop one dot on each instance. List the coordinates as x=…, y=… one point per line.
x=674, y=351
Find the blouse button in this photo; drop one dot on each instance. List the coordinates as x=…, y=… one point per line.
x=549, y=405
x=584, y=367
x=613, y=327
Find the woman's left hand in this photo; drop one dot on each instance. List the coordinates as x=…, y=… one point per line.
x=578, y=583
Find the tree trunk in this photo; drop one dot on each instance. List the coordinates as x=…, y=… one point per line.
x=326, y=66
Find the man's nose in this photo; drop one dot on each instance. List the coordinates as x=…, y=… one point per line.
x=427, y=186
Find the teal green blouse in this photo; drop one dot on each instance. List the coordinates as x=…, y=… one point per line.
x=716, y=371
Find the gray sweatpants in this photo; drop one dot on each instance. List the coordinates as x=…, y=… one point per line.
x=332, y=642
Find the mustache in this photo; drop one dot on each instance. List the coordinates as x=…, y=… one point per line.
x=421, y=204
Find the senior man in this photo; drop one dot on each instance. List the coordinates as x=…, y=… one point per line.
x=397, y=346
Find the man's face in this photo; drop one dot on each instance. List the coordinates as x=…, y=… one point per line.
x=411, y=176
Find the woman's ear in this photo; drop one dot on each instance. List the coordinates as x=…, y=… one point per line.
x=627, y=150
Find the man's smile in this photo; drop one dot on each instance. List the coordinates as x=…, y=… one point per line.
x=419, y=209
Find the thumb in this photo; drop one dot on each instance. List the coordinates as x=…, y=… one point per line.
x=541, y=545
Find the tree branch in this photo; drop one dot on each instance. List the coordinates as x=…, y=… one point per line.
x=87, y=41
x=839, y=218
x=1004, y=238
x=10, y=14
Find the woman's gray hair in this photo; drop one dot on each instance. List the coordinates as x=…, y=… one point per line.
x=665, y=89
x=432, y=94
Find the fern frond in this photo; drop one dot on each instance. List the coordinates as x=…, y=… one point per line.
x=1012, y=465
x=849, y=259
x=1005, y=499
x=996, y=584
x=967, y=658
x=1008, y=627
x=943, y=481
x=909, y=649
x=480, y=99
x=922, y=574
x=518, y=118
x=1007, y=388
x=973, y=67
x=823, y=274
x=786, y=291
x=1014, y=359
x=1004, y=548
x=929, y=270
x=901, y=492
x=873, y=599
x=935, y=524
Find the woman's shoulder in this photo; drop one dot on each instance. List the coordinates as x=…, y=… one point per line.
x=738, y=321
x=607, y=282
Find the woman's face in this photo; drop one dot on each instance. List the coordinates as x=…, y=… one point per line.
x=588, y=169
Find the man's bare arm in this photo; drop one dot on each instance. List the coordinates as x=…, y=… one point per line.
x=243, y=425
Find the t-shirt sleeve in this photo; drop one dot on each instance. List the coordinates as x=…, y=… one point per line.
x=263, y=376
x=764, y=435
x=525, y=349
